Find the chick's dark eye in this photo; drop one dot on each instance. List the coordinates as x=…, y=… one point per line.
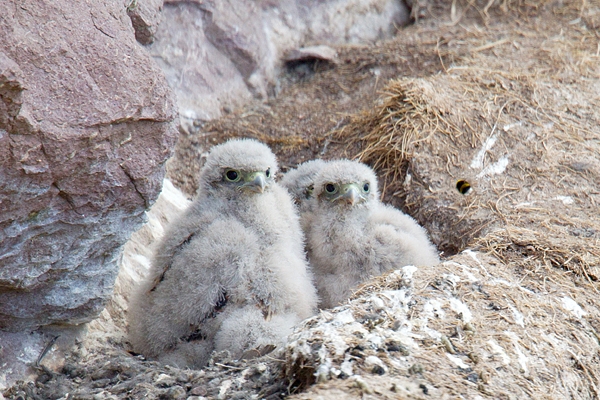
x=366, y=188
x=231, y=175
x=330, y=188
x=268, y=172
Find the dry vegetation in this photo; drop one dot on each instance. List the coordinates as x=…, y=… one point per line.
x=520, y=74
x=468, y=328
x=514, y=112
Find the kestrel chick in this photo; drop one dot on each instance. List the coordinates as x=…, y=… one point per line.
x=353, y=236
x=231, y=273
x=300, y=183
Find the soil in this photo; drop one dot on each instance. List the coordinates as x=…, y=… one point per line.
x=503, y=99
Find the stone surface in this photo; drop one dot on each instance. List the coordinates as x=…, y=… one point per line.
x=512, y=301
x=351, y=21
x=145, y=17
x=202, y=76
x=219, y=54
x=138, y=251
x=19, y=351
x=86, y=124
x=320, y=52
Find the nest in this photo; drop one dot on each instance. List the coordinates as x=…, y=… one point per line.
x=518, y=318
x=531, y=250
x=469, y=327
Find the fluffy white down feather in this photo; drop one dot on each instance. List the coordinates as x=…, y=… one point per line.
x=231, y=273
x=347, y=244
x=300, y=183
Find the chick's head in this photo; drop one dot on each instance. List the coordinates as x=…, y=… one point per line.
x=239, y=167
x=346, y=183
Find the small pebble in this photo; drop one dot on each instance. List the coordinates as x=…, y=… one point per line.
x=199, y=391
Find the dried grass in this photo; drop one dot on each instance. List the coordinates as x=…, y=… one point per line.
x=531, y=329
x=526, y=248
x=470, y=327
x=504, y=85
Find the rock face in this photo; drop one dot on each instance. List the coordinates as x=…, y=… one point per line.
x=203, y=77
x=86, y=125
x=219, y=54
x=145, y=16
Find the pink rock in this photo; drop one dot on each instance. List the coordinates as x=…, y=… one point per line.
x=86, y=125
x=220, y=54
x=145, y=16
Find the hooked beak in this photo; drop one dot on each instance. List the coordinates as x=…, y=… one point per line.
x=256, y=182
x=350, y=194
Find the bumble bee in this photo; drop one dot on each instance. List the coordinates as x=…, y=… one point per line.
x=463, y=187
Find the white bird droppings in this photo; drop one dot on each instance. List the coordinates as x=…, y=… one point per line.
x=496, y=168
x=433, y=308
x=477, y=162
x=408, y=271
x=460, y=363
x=377, y=303
x=470, y=276
x=521, y=358
x=572, y=306
x=461, y=308
x=519, y=319
x=472, y=254
x=566, y=200
x=344, y=317
x=374, y=360
x=466, y=270
x=375, y=339
x=346, y=366
x=508, y=127
x=499, y=351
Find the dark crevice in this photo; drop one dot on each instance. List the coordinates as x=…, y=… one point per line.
x=67, y=197
x=146, y=202
x=99, y=28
